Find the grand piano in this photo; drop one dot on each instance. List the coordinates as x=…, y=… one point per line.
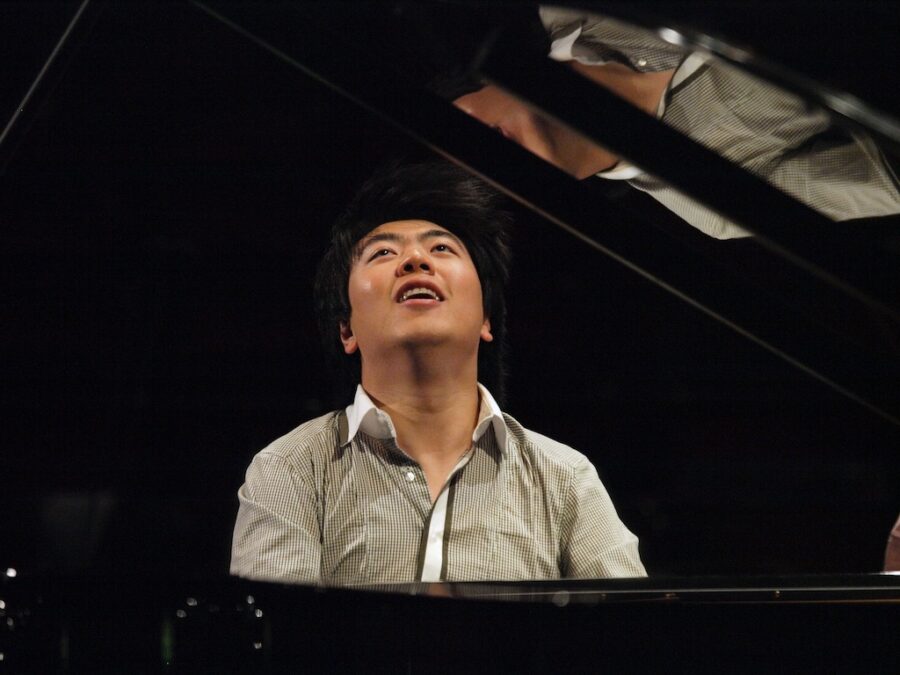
x=169, y=175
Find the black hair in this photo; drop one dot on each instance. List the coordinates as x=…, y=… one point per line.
x=439, y=192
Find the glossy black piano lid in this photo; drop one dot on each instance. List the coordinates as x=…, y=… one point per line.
x=166, y=195
x=82, y=623
x=782, y=301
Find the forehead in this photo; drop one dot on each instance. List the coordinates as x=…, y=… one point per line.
x=488, y=99
x=406, y=230
x=405, y=227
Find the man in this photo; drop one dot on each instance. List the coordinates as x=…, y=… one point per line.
x=422, y=477
x=765, y=130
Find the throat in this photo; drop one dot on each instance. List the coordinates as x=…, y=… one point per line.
x=438, y=472
x=642, y=90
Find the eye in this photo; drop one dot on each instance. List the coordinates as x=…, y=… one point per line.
x=380, y=253
x=442, y=248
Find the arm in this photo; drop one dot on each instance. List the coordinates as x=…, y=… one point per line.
x=277, y=536
x=594, y=542
x=842, y=177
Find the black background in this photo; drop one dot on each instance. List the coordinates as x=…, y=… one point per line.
x=164, y=205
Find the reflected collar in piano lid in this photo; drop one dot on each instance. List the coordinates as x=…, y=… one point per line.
x=621, y=171
x=363, y=415
x=561, y=48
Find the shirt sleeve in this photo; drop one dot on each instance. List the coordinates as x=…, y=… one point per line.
x=277, y=536
x=594, y=542
x=595, y=39
x=842, y=178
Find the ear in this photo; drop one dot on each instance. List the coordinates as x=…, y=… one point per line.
x=348, y=338
x=486, y=331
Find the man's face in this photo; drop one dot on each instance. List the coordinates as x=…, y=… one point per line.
x=413, y=284
x=545, y=137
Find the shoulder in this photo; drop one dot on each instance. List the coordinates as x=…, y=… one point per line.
x=316, y=438
x=543, y=449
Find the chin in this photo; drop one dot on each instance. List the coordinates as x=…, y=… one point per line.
x=424, y=339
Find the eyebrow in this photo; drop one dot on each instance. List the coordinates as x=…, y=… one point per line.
x=394, y=237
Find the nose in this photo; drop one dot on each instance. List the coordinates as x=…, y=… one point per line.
x=416, y=261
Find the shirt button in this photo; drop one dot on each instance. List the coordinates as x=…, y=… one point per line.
x=410, y=476
x=642, y=62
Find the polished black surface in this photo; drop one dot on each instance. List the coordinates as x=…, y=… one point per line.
x=152, y=624
x=784, y=300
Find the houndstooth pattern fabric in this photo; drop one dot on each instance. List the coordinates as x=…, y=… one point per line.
x=776, y=136
x=318, y=508
x=757, y=126
x=601, y=39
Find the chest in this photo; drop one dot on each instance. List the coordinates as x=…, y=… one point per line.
x=491, y=521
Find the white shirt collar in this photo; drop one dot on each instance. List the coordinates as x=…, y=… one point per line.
x=622, y=170
x=363, y=415
x=561, y=48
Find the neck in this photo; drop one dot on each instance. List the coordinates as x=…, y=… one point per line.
x=643, y=90
x=432, y=399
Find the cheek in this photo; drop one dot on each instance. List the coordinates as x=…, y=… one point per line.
x=359, y=288
x=474, y=295
x=365, y=287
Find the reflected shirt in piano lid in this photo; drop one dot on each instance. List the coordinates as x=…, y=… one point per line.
x=767, y=131
x=336, y=501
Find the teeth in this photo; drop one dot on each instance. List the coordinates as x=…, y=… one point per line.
x=418, y=291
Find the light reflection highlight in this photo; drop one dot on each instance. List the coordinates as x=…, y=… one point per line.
x=672, y=36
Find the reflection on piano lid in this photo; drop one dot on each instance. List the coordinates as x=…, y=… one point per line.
x=784, y=289
x=797, y=299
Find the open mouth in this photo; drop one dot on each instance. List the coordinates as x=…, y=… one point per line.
x=419, y=293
